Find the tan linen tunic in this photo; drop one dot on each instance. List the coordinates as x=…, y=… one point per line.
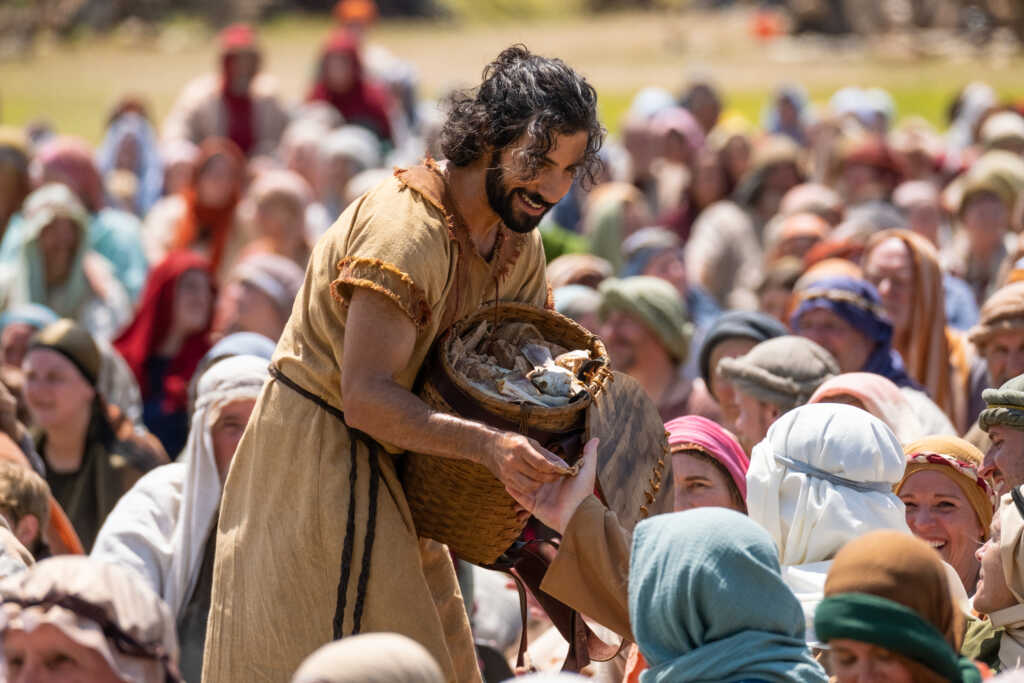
x=284, y=513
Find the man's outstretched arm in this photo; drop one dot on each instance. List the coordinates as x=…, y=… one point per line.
x=379, y=341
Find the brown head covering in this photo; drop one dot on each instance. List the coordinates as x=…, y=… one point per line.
x=370, y=658
x=933, y=356
x=1004, y=310
x=887, y=564
x=74, y=343
x=958, y=460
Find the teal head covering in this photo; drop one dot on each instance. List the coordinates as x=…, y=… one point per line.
x=707, y=603
x=656, y=303
x=873, y=619
x=41, y=208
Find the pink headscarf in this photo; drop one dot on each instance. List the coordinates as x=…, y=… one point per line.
x=678, y=120
x=880, y=397
x=701, y=434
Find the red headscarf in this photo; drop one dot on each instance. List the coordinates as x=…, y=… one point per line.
x=153, y=322
x=235, y=40
x=701, y=434
x=363, y=103
x=206, y=222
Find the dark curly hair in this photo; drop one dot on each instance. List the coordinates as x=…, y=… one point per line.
x=523, y=93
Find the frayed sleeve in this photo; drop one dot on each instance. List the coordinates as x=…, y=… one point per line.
x=383, y=278
x=398, y=249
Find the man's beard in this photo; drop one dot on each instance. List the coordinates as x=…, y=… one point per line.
x=503, y=200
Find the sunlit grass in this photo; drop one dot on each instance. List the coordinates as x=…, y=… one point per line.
x=75, y=84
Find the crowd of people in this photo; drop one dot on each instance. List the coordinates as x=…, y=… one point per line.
x=825, y=307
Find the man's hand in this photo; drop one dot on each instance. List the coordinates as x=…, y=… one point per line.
x=521, y=463
x=555, y=501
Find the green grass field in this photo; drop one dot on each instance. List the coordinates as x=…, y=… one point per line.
x=73, y=84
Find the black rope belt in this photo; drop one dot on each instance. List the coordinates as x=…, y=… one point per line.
x=348, y=546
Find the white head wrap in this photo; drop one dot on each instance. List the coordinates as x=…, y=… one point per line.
x=822, y=476
x=160, y=527
x=370, y=658
x=65, y=591
x=809, y=517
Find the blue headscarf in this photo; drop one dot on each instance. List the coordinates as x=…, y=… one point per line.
x=36, y=315
x=707, y=602
x=858, y=303
x=150, y=169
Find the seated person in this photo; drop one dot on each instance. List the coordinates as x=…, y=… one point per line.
x=258, y=296
x=165, y=341
x=25, y=506
x=731, y=335
x=1003, y=420
x=877, y=629
x=949, y=504
x=709, y=468
x=96, y=622
x=999, y=340
x=681, y=566
x=164, y=527
x=823, y=476
x=647, y=332
x=999, y=640
x=905, y=269
x=92, y=452
x=56, y=266
x=772, y=378
x=878, y=396
x=845, y=315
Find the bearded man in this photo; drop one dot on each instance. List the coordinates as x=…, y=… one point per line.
x=315, y=540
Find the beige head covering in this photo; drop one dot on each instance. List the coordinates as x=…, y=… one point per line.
x=75, y=593
x=370, y=658
x=1002, y=311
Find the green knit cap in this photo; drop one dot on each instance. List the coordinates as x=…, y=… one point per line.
x=655, y=302
x=1005, y=405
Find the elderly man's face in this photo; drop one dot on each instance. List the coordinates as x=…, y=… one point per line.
x=1004, y=354
x=46, y=655
x=1004, y=462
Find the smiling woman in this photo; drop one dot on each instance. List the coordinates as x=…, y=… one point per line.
x=949, y=505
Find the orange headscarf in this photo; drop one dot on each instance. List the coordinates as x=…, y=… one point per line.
x=934, y=355
x=208, y=223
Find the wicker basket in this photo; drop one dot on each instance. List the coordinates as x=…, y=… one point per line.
x=458, y=502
